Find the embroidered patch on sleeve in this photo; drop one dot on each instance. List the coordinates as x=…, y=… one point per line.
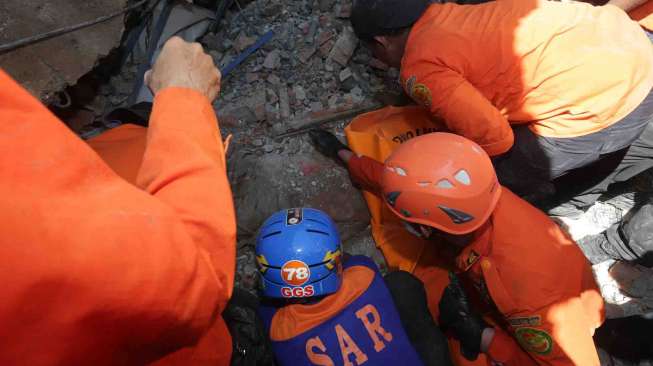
x=529, y=321
x=534, y=340
x=419, y=92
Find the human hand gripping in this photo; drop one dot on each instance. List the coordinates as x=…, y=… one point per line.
x=185, y=65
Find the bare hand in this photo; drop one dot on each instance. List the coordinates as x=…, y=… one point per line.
x=185, y=65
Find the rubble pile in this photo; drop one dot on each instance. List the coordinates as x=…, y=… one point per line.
x=313, y=64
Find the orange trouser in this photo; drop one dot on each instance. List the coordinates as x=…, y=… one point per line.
x=376, y=135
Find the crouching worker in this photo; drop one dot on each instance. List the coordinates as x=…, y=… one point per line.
x=319, y=309
x=533, y=298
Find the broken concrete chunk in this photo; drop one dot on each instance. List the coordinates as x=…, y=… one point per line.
x=268, y=148
x=345, y=74
x=243, y=41
x=300, y=93
x=274, y=80
x=284, y=102
x=306, y=53
x=326, y=5
x=343, y=10
x=251, y=77
x=272, y=96
x=344, y=47
x=316, y=106
x=257, y=103
x=310, y=36
x=272, y=60
x=273, y=9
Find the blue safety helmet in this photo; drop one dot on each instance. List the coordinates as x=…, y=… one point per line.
x=299, y=255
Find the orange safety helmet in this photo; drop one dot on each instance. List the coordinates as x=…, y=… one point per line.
x=443, y=181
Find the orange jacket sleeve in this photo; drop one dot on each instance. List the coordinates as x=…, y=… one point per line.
x=366, y=172
x=564, y=338
x=98, y=271
x=465, y=110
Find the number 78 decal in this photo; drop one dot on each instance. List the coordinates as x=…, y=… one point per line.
x=295, y=273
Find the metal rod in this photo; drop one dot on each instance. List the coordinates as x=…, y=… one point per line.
x=311, y=123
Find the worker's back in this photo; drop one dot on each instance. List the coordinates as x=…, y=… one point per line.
x=572, y=69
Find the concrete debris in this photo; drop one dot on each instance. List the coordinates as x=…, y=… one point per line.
x=272, y=60
x=284, y=102
x=273, y=9
x=274, y=80
x=345, y=74
x=326, y=5
x=243, y=41
x=344, y=47
x=312, y=29
x=300, y=93
x=251, y=77
x=343, y=10
x=306, y=53
x=257, y=103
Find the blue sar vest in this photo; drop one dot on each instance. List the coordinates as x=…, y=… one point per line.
x=365, y=329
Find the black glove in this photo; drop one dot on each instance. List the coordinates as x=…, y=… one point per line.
x=327, y=143
x=457, y=316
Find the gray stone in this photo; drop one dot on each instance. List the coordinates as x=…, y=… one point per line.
x=258, y=142
x=273, y=9
x=272, y=60
x=345, y=74
x=316, y=106
x=326, y=5
x=216, y=56
x=312, y=29
x=243, y=41
x=344, y=47
x=251, y=77
x=272, y=96
x=284, y=102
x=300, y=93
x=268, y=148
x=257, y=103
x=306, y=52
x=274, y=80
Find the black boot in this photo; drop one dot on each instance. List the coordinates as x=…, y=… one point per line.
x=327, y=144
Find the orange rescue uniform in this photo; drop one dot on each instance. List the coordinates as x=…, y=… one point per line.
x=101, y=271
x=530, y=279
x=566, y=69
x=536, y=277
x=644, y=15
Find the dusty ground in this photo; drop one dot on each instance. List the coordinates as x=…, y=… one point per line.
x=49, y=66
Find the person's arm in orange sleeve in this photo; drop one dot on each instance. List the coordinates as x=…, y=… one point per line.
x=366, y=172
x=563, y=339
x=464, y=109
x=99, y=271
